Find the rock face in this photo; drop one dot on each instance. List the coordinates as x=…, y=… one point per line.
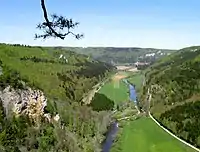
x=29, y=102
x=63, y=57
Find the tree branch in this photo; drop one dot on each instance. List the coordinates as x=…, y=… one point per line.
x=47, y=20
x=53, y=28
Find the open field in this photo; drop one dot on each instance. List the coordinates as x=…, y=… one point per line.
x=127, y=68
x=136, y=79
x=143, y=135
x=116, y=90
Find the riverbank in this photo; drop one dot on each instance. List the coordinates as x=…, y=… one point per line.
x=115, y=89
x=112, y=133
x=110, y=136
x=144, y=135
x=135, y=79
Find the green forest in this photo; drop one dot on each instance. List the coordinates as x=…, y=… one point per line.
x=121, y=55
x=81, y=127
x=174, y=83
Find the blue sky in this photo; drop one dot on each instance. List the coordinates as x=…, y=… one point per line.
x=122, y=23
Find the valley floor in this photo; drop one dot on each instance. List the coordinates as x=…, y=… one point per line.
x=141, y=135
x=115, y=89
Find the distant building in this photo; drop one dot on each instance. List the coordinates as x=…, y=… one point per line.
x=158, y=52
x=150, y=54
x=141, y=63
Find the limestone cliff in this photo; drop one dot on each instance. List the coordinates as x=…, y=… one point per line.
x=29, y=102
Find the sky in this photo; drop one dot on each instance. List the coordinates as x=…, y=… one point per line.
x=170, y=24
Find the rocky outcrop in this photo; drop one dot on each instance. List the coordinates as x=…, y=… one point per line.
x=29, y=102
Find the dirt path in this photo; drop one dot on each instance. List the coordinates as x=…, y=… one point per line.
x=89, y=96
x=119, y=76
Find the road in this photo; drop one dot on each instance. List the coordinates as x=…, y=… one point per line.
x=165, y=129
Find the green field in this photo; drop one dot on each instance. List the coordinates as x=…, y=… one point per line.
x=143, y=135
x=118, y=92
x=136, y=79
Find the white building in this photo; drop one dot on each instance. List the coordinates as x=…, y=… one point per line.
x=150, y=54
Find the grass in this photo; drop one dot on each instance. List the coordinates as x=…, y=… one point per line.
x=42, y=74
x=63, y=84
x=143, y=135
x=119, y=92
x=136, y=79
x=116, y=93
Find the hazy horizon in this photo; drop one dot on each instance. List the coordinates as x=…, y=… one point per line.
x=89, y=46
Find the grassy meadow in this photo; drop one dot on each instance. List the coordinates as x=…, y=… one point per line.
x=116, y=91
x=143, y=135
x=137, y=79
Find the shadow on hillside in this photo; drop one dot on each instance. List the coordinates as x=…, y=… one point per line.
x=100, y=103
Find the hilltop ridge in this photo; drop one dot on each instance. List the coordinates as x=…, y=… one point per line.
x=121, y=55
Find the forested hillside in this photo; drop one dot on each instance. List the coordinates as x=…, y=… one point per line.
x=122, y=55
x=174, y=83
x=63, y=77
